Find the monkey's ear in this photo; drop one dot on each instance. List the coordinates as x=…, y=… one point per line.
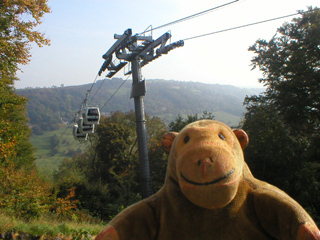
x=167, y=140
x=242, y=137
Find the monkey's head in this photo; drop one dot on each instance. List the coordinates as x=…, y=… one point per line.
x=206, y=160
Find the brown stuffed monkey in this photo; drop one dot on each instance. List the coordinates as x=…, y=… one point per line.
x=210, y=194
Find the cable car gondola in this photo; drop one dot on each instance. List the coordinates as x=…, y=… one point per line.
x=85, y=128
x=78, y=135
x=91, y=115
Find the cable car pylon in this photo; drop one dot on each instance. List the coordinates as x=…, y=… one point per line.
x=127, y=49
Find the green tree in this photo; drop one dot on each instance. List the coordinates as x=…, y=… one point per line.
x=180, y=123
x=17, y=21
x=23, y=193
x=283, y=123
x=158, y=158
x=107, y=176
x=272, y=152
x=290, y=66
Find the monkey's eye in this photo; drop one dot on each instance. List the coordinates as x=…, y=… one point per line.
x=186, y=139
x=221, y=136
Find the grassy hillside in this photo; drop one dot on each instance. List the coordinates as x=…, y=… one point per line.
x=227, y=118
x=48, y=159
x=49, y=107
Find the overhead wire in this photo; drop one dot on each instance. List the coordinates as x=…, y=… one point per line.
x=115, y=92
x=71, y=145
x=57, y=142
x=93, y=82
x=191, y=16
x=97, y=90
x=242, y=26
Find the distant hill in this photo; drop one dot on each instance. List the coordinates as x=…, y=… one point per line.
x=48, y=107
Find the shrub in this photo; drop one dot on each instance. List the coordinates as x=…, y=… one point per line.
x=23, y=193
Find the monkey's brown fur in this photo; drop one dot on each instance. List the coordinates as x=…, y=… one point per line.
x=210, y=194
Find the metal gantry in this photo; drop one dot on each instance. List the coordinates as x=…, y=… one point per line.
x=139, y=51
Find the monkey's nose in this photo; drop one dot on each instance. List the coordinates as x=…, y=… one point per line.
x=205, y=161
x=206, y=166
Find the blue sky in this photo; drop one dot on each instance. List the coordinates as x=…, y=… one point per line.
x=81, y=31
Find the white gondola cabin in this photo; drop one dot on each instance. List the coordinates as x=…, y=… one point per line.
x=91, y=115
x=78, y=135
x=85, y=128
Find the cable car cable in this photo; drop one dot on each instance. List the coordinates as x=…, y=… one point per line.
x=115, y=92
x=57, y=142
x=71, y=145
x=190, y=17
x=97, y=90
x=88, y=92
x=93, y=83
x=59, y=138
x=242, y=26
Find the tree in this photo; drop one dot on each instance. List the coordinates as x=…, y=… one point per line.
x=283, y=122
x=272, y=152
x=106, y=176
x=158, y=158
x=24, y=194
x=290, y=64
x=22, y=190
x=180, y=123
x=14, y=131
x=17, y=21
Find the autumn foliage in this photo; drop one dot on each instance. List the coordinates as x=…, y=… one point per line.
x=23, y=193
x=64, y=207
x=17, y=33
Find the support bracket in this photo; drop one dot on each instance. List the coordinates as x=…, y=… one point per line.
x=138, y=89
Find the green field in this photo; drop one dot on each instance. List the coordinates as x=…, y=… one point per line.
x=47, y=161
x=229, y=119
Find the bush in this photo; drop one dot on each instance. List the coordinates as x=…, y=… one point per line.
x=37, y=130
x=23, y=193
